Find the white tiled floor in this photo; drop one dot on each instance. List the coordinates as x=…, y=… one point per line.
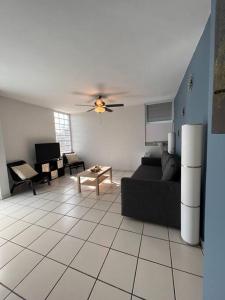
x=128, y=242
x=155, y=250
x=119, y=269
x=90, y=259
x=3, y=292
x=46, y=242
x=64, y=245
x=103, y=235
x=19, y=267
x=66, y=249
x=153, y=281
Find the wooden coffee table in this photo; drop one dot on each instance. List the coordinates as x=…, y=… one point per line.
x=94, y=178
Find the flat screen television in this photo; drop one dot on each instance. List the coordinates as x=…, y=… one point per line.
x=47, y=151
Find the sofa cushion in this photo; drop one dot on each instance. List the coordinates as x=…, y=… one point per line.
x=171, y=169
x=164, y=159
x=151, y=161
x=148, y=173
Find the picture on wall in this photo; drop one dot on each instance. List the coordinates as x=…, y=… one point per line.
x=218, y=115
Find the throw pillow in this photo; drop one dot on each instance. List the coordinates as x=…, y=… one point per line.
x=72, y=158
x=164, y=159
x=153, y=151
x=171, y=169
x=24, y=171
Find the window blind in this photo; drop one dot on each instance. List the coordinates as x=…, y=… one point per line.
x=159, y=112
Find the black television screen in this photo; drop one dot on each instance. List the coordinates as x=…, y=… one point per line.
x=47, y=151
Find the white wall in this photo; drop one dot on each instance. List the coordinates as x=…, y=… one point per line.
x=158, y=131
x=116, y=139
x=23, y=125
x=4, y=182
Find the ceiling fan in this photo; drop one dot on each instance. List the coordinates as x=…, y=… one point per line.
x=100, y=105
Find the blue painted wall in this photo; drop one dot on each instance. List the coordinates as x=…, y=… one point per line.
x=214, y=262
x=195, y=102
x=198, y=104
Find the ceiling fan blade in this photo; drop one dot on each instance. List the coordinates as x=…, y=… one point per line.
x=81, y=94
x=115, y=94
x=92, y=99
x=114, y=105
x=90, y=110
x=84, y=105
x=108, y=109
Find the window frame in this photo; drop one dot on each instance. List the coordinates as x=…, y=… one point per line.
x=155, y=103
x=67, y=129
x=153, y=143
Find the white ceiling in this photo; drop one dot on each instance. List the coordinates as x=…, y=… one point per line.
x=50, y=48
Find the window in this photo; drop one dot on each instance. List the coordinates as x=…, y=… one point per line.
x=159, y=112
x=159, y=122
x=63, y=132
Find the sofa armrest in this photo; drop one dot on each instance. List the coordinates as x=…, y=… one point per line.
x=151, y=161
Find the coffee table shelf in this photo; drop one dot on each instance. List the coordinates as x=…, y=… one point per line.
x=94, y=179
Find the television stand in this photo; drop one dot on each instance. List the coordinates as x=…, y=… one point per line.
x=53, y=168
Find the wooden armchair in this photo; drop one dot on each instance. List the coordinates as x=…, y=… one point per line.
x=74, y=165
x=39, y=178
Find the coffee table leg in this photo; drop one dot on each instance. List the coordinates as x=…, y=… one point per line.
x=78, y=184
x=97, y=186
x=110, y=175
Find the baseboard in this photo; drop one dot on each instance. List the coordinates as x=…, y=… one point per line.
x=202, y=245
x=5, y=196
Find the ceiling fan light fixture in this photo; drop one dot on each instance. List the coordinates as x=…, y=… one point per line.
x=99, y=109
x=99, y=102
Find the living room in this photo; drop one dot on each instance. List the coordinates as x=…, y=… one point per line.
x=112, y=150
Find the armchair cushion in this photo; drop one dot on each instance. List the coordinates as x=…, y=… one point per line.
x=24, y=171
x=72, y=158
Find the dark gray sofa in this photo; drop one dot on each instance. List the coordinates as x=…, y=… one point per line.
x=153, y=192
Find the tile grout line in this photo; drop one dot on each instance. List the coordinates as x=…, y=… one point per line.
x=31, y=224
x=82, y=218
x=65, y=234
x=104, y=260
x=81, y=239
x=87, y=240
x=43, y=257
x=137, y=259
x=49, y=228
x=63, y=215
x=9, y=290
x=26, y=248
x=68, y=266
x=171, y=260
x=52, y=211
